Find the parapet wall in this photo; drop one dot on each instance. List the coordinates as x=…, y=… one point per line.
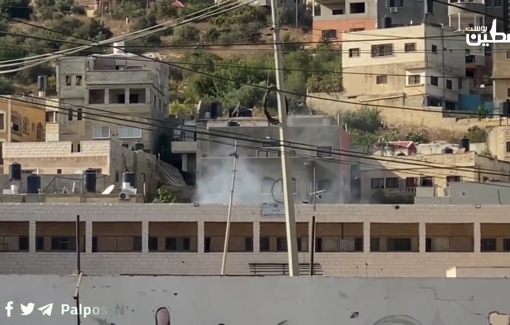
x=256, y=300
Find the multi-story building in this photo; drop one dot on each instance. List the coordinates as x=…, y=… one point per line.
x=259, y=170
x=498, y=142
x=351, y=240
x=120, y=84
x=107, y=158
x=393, y=178
x=22, y=119
x=336, y=17
x=423, y=66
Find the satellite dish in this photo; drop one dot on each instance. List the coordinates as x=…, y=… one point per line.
x=108, y=190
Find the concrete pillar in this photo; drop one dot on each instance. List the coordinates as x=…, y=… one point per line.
x=126, y=94
x=88, y=236
x=145, y=236
x=256, y=237
x=477, y=237
x=185, y=162
x=107, y=96
x=201, y=235
x=366, y=237
x=32, y=228
x=422, y=231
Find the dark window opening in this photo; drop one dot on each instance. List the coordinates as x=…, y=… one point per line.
x=357, y=8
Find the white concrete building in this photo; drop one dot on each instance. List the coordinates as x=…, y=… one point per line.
x=423, y=65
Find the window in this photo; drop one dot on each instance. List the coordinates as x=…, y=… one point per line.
x=508, y=54
x=336, y=12
x=434, y=81
x=182, y=244
x=382, y=50
x=354, y=53
x=449, y=84
x=508, y=147
x=329, y=34
x=68, y=81
x=78, y=80
x=357, y=8
x=13, y=243
x=2, y=121
x=506, y=245
x=459, y=82
x=508, y=92
x=101, y=132
x=26, y=125
x=69, y=114
x=398, y=245
x=58, y=244
x=16, y=123
x=488, y=3
x=434, y=48
x=325, y=152
x=392, y=182
x=79, y=114
x=40, y=132
x=498, y=3
x=452, y=179
x=410, y=47
x=96, y=96
x=116, y=244
x=129, y=132
x=396, y=3
x=414, y=79
x=488, y=244
x=381, y=80
x=377, y=183
x=51, y=117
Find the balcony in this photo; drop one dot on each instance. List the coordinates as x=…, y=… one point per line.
x=464, y=7
x=119, y=77
x=474, y=61
x=184, y=147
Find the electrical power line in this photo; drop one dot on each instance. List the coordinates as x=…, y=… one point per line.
x=260, y=141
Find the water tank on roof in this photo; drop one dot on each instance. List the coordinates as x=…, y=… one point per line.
x=119, y=47
x=464, y=143
x=90, y=180
x=447, y=150
x=15, y=172
x=33, y=184
x=125, y=145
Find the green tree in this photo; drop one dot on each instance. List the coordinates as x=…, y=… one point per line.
x=6, y=87
x=164, y=196
x=476, y=134
x=366, y=119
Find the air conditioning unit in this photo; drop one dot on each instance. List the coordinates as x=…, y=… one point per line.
x=393, y=9
x=124, y=196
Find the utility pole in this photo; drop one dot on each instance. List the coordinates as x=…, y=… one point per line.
x=229, y=215
x=290, y=218
x=78, y=271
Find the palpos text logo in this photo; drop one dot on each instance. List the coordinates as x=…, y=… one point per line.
x=481, y=36
x=84, y=311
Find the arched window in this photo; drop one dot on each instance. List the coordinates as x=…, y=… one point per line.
x=325, y=185
x=267, y=184
x=26, y=125
x=162, y=316
x=40, y=132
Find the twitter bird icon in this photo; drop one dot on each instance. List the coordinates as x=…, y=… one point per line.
x=27, y=310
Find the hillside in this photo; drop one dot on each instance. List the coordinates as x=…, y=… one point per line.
x=236, y=46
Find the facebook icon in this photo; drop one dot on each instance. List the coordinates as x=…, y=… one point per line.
x=9, y=308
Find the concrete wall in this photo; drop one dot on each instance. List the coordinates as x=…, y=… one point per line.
x=345, y=264
x=255, y=301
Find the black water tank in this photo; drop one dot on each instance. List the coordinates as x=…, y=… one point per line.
x=129, y=177
x=33, y=184
x=447, y=150
x=387, y=22
x=42, y=83
x=15, y=172
x=90, y=179
x=216, y=110
x=464, y=143
x=125, y=145
x=138, y=146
